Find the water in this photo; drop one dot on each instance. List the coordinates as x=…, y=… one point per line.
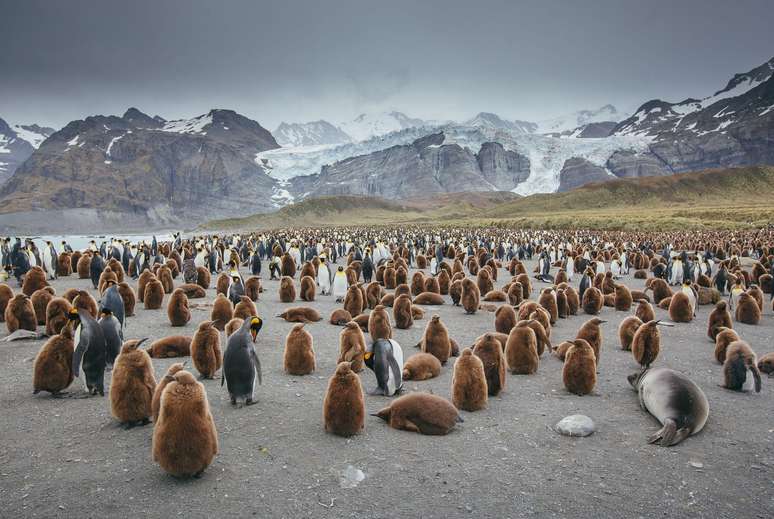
x=81, y=242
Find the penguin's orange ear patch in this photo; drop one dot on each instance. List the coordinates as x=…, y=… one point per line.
x=367, y=355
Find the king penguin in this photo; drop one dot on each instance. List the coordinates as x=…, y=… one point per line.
x=241, y=364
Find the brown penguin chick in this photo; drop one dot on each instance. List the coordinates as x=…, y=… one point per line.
x=608, y=300
x=429, y=298
x=166, y=379
x=680, y=310
x=469, y=386
x=184, y=419
x=170, y=347
x=435, y=339
x=84, y=301
x=362, y=321
x=74, y=258
x=580, y=368
x=444, y=282
x=455, y=291
x=301, y=314
x=339, y=317
x=402, y=289
x=573, y=300
x=766, y=364
x=521, y=352
x=233, y=325
x=127, y=295
x=484, y=281
x=205, y=350
x=352, y=345
x=52, y=370
x=40, y=299
x=193, y=291
x=640, y=274
x=177, y=309
x=756, y=294
x=623, y=298
x=222, y=312
x=421, y=366
x=388, y=300
x=253, y=287
x=592, y=334
x=222, y=283
x=724, y=337
x=561, y=351
x=526, y=285
x=543, y=342
x=83, y=266
x=287, y=290
x=34, y=280
x=747, y=309
x=142, y=281
x=106, y=277
x=20, y=314
x=245, y=308
x=307, y=269
x=344, y=403
x=592, y=301
x=288, y=265
x=431, y=285
x=562, y=308
x=353, y=300
x=502, y=338
x=561, y=277
x=646, y=343
x=421, y=262
x=401, y=312
x=664, y=303
x=132, y=385
x=608, y=285
x=299, y=352
x=417, y=283
x=659, y=287
x=118, y=269
x=488, y=348
x=505, y=319
x=390, y=278
x=57, y=312
x=497, y=296
x=471, y=296
x=6, y=294
x=719, y=317
x=638, y=295
x=203, y=277
x=308, y=288
x=644, y=311
x=379, y=324
x=164, y=275
x=422, y=413
x=740, y=358
x=626, y=331
x=64, y=267
x=515, y=293
x=766, y=281
x=547, y=300
x=373, y=294
x=154, y=294
x=541, y=316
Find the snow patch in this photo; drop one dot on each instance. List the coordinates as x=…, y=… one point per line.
x=110, y=146
x=194, y=126
x=35, y=139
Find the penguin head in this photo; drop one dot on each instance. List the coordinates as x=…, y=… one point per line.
x=105, y=312
x=72, y=315
x=256, y=323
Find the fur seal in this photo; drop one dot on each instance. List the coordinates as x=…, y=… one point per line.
x=344, y=404
x=422, y=413
x=674, y=400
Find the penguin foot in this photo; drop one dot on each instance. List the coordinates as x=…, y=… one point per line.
x=377, y=391
x=60, y=394
x=250, y=402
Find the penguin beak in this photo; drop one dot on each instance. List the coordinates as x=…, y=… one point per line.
x=255, y=326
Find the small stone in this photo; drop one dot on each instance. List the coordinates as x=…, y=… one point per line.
x=696, y=464
x=575, y=425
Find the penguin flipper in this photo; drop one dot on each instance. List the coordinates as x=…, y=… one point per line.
x=257, y=364
x=80, y=351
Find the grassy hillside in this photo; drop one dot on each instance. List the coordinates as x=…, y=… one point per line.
x=714, y=199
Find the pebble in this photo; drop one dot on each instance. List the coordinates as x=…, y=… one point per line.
x=575, y=425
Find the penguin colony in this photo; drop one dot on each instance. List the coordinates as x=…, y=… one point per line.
x=86, y=334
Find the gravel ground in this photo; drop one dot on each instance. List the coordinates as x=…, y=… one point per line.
x=70, y=458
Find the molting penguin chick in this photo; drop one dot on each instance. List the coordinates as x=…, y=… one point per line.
x=184, y=419
x=739, y=359
x=469, y=387
x=344, y=404
x=299, y=352
x=132, y=385
x=646, y=343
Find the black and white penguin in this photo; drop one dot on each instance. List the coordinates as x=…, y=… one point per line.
x=90, y=350
x=385, y=358
x=50, y=260
x=236, y=288
x=255, y=264
x=114, y=335
x=95, y=268
x=112, y=301
x=241, y=364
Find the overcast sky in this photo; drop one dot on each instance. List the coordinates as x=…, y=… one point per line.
x=295, y=61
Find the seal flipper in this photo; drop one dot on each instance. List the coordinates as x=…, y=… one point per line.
x=680, y=435
x=665, y=435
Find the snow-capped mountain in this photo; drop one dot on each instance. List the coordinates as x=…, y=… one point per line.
x=313, y=133
x=495, y=122
x=580, y=118
x=17, y=143
x=366, y=126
